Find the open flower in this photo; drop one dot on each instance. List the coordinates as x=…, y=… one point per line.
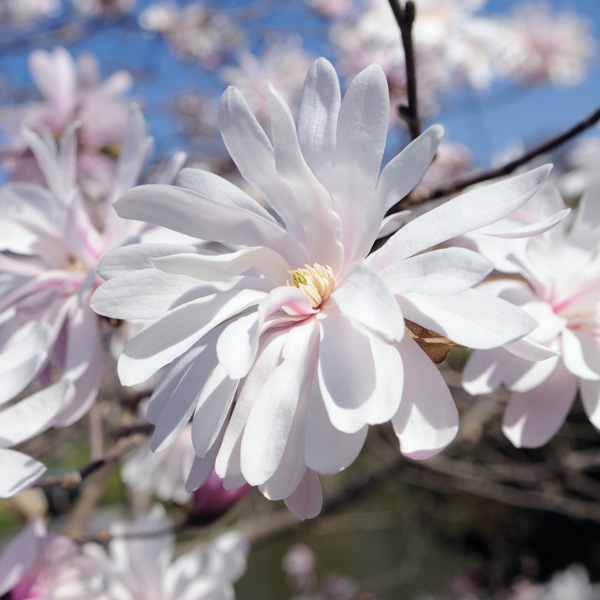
x=288, y=343
x=561, y=290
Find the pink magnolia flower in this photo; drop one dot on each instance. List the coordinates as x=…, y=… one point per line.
x=138, y=563
x=70, y=92
x=561, y=290
x=290, y=341
x=283, y=63
x=211, y=500
x=51, y=240
x=47, y=567
x=558, y=47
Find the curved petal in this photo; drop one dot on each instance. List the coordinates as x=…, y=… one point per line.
x=532, y=418
x=307, y=501
x=581, y=354
x=437, y=273
x=365, y=297
x=484, y=371
x=590, y=396
x=427, y=420
x=17, y=472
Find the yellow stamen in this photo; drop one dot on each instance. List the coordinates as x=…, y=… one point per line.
x=316, y=282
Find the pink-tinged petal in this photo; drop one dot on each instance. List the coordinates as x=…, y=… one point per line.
x=484, y=371
x=581, y=354
x=533, y=418
x=223, y=266
x=406, y=169
x=145, y=294
x=322, y=227
x=32, y=414
x=590, y=396
x=270, y=419
x=183, y=399
x=328, y=450
x=22, y=360
x=83, y=335
x=86, y=390
x=391, y=223
x=436, y=273
x=360, y=375
x=17, y=472
x=212, y=409
x=462, y=214
x=360, y=142
x=524, y=231
x=365, y=297
x=238, y=343
x=55, y=76
x=427, y=420
x=174, y=333
x=317, y=120
x=522, y=376
x=586, y=226
x=252, y=152
x=471, y=318
x=135, y=257
x=20, y=553
x=228, y=465
x=307, y=501
x=173, y=373
x=199, y=216
x=218, y=188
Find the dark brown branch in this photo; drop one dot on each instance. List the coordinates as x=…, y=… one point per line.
x=405, y=18
x=72, y=479
x=505, y=169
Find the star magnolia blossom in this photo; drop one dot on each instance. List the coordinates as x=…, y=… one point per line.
x=561, y=290
x=289, y=343
x=48, y=333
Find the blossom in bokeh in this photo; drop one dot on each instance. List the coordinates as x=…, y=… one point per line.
x=138, y=563
x=539, y=46
x=560, y=288
x=292, y=342
x=70, y=92
x=47, y=567
x=24, y=14
x=104, y=8
x=211, y=500
x=284, y=64
x=195, y=31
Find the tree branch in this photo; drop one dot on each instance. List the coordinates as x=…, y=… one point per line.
x=405, y=18
x=505, y=169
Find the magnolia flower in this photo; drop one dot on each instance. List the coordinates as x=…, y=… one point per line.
x=51, y=241
x=541, y=47
x=70, y=92
x=560, y=288
x=137, y=563
x=24, y=14
x=104, y=8
x=48, y=567
x=287, y=342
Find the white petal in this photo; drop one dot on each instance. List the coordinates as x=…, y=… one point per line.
x=17, y=472
x=317, y=119
x=360, y=142
x=83, y=335
x=462, y=214
x=193, y=214
x=586, y=226
x=32, y=414
x=471, y=318
x=525, y=376
x=581, y=354
x=392, y=223
x=360, y=375
x=437, y=273
x=174, y=333
x=484, y=371
x=427, y=420
x=329, y=450
x=307, y=501
x=522, y=231
x=590, y=396
x=272, y=413
x=407, y=168
x=365, y=297
x=533, y=418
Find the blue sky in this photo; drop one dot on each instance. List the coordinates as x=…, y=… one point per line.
x=487, y=124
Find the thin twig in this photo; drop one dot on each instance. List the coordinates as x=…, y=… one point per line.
x=72, y=479
x=405, y=18
x=505, y=169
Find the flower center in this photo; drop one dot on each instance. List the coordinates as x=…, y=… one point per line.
x=316, y=282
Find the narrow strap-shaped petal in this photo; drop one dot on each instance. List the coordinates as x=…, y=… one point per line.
x=307, y=501
x=17, y=472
